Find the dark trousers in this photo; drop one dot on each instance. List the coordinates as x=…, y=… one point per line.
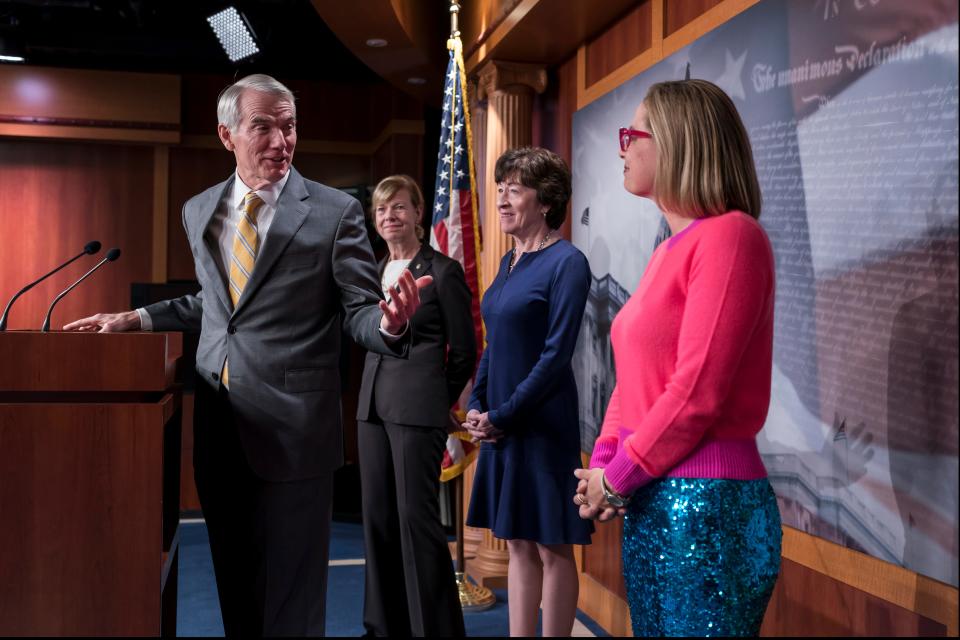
x=269, y=540
x=410, y=589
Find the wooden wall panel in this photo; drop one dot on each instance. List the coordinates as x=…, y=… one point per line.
x=627, y=38
x=479, y=19
x=57, y=196
x=383, y=104
x=40, y=102
x=602, y=560
x=542, y=32
x=334, y=170
x=199, y=104
x=328, y=111
x=189, y=500
x=679, y=13
x=73, y=94
x=552, y=115
x=191, y=172
x=400, y=154
x=81, y=544
x=807, y=603
x=325, y=111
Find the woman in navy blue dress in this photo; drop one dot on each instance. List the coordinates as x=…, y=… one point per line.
x=524, y=402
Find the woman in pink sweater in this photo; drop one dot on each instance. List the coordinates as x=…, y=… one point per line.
x=677, y=454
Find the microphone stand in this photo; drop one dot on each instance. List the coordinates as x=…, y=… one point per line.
x=112, y=255
x=6, y=311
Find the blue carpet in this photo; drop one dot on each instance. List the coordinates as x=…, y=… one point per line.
x=198, y=611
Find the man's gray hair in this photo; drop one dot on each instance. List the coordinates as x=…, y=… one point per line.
x=228, y=104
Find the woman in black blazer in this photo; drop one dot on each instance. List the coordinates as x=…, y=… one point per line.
x=404, y=409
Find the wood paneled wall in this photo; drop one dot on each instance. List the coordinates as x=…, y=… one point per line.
x=626, y=39
x=679, y=14
x=57, y=196
x=805, y=602
x=67, y=103
x=552, y=118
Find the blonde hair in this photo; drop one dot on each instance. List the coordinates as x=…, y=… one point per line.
x=704, y=160
x=387, y=188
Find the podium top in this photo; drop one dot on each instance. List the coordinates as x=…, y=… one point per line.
x=70, y=362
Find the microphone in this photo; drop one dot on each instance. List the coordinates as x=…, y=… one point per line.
x=112, y=255
x=90, y=249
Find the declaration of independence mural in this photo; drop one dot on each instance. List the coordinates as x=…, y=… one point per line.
x=852, y=111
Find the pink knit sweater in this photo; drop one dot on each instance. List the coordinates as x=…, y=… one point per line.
x=693, y=349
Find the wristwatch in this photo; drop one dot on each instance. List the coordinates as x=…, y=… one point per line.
x=613, y=498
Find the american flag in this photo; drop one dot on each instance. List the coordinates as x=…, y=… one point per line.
x=455, y=231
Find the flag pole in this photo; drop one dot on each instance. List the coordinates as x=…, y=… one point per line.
x=473, y=597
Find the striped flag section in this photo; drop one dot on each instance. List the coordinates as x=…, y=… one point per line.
x=455, y=231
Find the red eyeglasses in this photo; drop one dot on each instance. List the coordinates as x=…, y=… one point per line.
x=627, y=136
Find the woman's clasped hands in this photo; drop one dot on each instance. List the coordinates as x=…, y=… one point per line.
x=590, y=498
x=480, y=428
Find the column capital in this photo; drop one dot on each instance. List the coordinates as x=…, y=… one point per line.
x=510, y=77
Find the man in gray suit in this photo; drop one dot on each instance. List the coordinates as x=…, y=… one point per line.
x=283, y=264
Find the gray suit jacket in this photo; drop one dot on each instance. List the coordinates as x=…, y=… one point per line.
x=315, y=273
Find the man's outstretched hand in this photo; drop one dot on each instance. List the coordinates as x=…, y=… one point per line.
x=403, y=303
x=107, y=322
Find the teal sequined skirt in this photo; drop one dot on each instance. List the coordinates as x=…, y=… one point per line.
x=701, y=556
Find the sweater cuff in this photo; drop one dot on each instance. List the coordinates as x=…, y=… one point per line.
x=624, y=475
x=603, y=452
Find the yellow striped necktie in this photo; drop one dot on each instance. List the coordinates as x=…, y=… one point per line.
x=246, y=243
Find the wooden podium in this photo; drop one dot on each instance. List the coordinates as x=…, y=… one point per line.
x=89, y=483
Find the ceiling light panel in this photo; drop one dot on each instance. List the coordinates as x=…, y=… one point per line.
x=234, y=35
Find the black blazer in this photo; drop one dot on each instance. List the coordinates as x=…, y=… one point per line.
x=420, y=389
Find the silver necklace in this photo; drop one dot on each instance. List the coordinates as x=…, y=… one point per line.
x=513, y=256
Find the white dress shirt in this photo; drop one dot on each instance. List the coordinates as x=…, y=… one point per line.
x=223, y=225
x=391, y=273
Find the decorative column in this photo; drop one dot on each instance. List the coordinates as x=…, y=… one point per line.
x=508, y=89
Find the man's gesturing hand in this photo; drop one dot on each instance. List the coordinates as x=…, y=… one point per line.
x=107, y=322
x=403, y=303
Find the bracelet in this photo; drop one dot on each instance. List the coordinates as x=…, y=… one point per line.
x=613, y=498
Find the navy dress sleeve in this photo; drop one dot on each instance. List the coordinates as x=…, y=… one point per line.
x=568, y=289
x=478, y=396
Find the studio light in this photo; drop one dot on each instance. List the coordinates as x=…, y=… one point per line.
x=10, y=50
x=234, y=34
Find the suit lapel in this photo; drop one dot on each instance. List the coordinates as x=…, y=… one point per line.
x=421, y=262
x=290, y=215
x=418, y=266
x=205, y=254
